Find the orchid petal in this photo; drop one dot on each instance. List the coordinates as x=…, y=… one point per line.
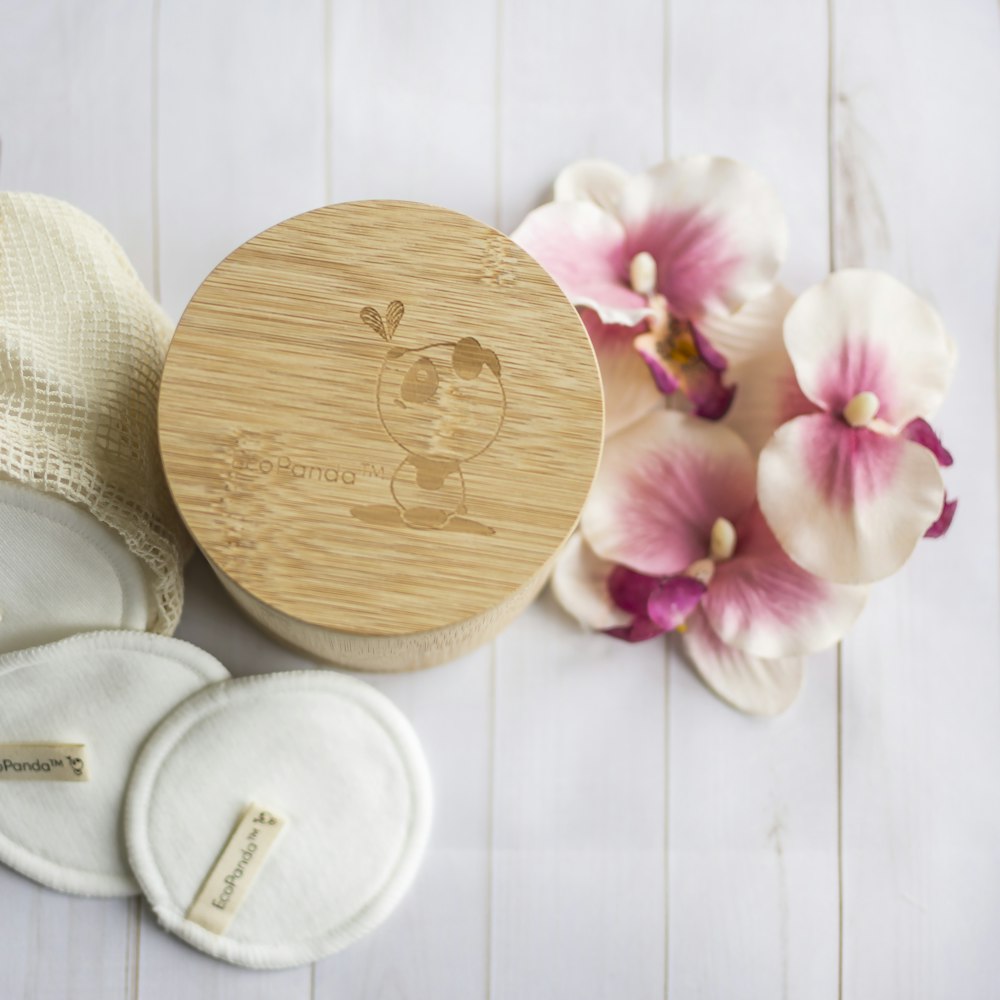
x=847, y=504
x=702, y=383
x=661, y=485
x=943, y=523
x=580, y=585
x=748, y=683
x=715, y=228
x=596, y=181
x=629, y=392
x=663, y=374
x=922, y=433
x=752, y=342
x=763, y=603
x=679, y=357
x=583, y=248
x=639, y=630
x=673, y=601
x=752, y=330
x=630, y=590
x=863, y=331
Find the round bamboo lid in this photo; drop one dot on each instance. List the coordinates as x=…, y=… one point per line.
x=380, y=419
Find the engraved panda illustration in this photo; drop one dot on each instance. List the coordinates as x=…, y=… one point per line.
x=443, y=403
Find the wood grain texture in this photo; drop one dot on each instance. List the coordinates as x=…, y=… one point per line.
x=916, y=167
x=423, y=96
x=753, y=806
x=361, y=437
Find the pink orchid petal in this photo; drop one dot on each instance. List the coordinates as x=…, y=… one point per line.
x=673, y=601
x=595, y=181
x=583, y=248
x=639, y=630
x=715, y=228
x=763, y=603
x=663, y=378
x=846, y=503
x=703, y=384
x=748, y=683
x=922, y=433
x=661, y=485
x=710, y=397
x=630, y=590
x=629, y=392
x=707, y=351
x=862, y=331
x=580, y=585
x=940, y=527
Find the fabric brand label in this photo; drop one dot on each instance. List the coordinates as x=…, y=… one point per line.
x=43, y=762
x=232, y=877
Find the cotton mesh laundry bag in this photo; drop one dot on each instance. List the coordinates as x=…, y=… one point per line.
x=82, y=346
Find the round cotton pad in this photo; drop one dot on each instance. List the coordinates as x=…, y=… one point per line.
x=326, y=754
x=95, y=697
x=63, y=572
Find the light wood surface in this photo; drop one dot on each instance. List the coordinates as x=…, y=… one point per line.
x=380, y=421
x=604, y=828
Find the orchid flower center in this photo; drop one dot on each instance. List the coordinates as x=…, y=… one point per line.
x=642, y=273
x=722, y=541
x=701, y=570
x=861, y=409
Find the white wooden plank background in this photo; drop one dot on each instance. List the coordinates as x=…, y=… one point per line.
x=605, y=829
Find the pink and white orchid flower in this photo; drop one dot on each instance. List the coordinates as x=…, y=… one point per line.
x=672, y=539
x=657, y=254
x=851, y=487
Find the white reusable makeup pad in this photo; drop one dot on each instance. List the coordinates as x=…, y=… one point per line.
x=62, y=572
x=82, y=347
x=107, y=691
x=331, y=756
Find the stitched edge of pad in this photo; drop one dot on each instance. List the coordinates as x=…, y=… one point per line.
x=43, y=870
x=174, y=728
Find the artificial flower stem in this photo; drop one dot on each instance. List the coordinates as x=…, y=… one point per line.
x=722, y=540
x=861, y=410
x=642, y=273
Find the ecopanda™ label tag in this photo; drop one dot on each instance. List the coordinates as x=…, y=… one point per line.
x=43, y=762
x=229, y=882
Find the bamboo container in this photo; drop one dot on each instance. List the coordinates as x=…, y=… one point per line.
x=379, y=421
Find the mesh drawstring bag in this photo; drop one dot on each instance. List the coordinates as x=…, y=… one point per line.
x=81, y=350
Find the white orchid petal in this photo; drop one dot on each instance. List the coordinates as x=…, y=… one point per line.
x=597, y=181
x=749, y=683
x=580, y=585
x=715, y=228
x=752, y=342
x=629, y=390
x=763, y=603
x=661, y=485
x=864, y=331
x=612, y=315
x=847, y=504
x=753, y=330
